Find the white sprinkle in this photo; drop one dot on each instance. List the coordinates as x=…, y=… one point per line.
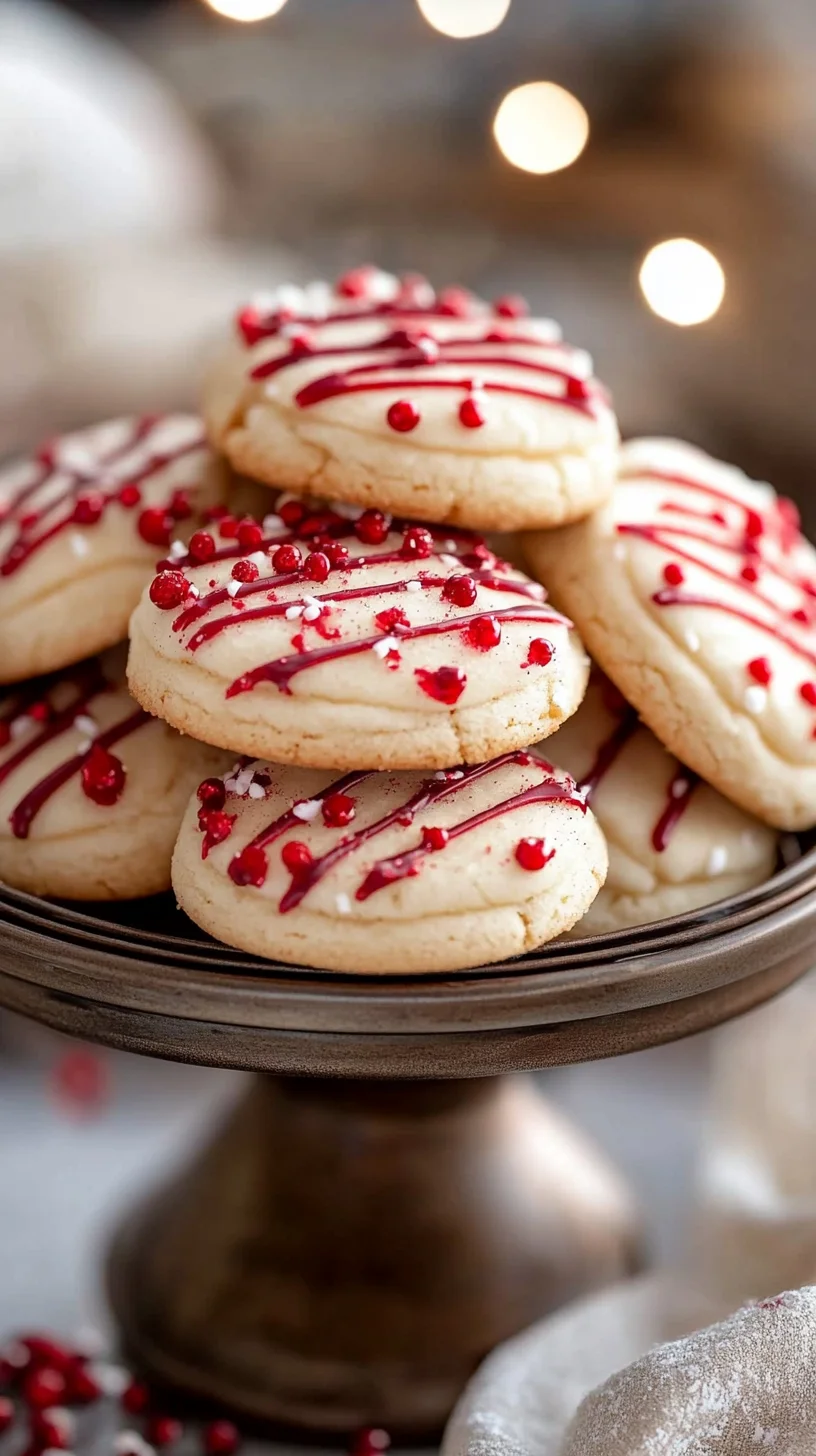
x=348, y=512
x=259, y=558
x=455, y=773
x=313, y=602
x=717, y=860
x=193, y=591
x=130, y=1443
x=271, y=524
x=177, y=550
x=413, y=586
x=536, y=590
x=256, y=791
x=63, y=1419
x=292, y=613
x=451, y=545
x=384, y=646
x=679, y=788
x=79, y=545
x=311, y=614
x=271, y=389
x=85, y=724
x=113, y=1380
x=755, y=698
x=15, y=1354
x=84, y=744
x=441, y=775
x=74, y=458
x=343, y=904
x=619, y=551
x=448, y=560
x=233, y=588
x=243, y=780
x=18, y=729
x=692, y=641
x=429, y=347
x=476, y=383
x=306, y=810
x=560, y=700
x=230, y=785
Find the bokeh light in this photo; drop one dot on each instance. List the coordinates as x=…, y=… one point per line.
x=246, y=10
x=541, y=127
x=464, y=18
x=682, y=281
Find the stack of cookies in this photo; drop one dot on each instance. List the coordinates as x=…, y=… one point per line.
x=378, y=679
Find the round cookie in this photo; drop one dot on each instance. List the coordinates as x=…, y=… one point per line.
x=92, y=790
x=389, y=873
x=696, y=593
x=82, y=523
x=384, y=393
x=365, y=644
x=674, y=842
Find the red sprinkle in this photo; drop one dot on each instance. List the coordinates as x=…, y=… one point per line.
x=250, y=534
x=245, y=571
x=403, y=416
x=130, y=496
x=6, y=1415
x=532, y=854
x=286, y=559
x=249, y=867
x=673, y=574
x=103, y=776
x=51, y=1430
x=434, y=838
x=807, y=692
x=371, y=1442
x=292, y=513
x=212, y=793
x=89, y=507
x=577, y=388
x=82, y=1388
x=455, y=302
x=168, y=590
x=391, y=618
x=461, y=590
x=445, y=685
x=483, y=633
x=202, y=546
x=338, y=555
x=355, y=283
x=754, y=525
x=511, y=305
x=338, y=810
x=136, y=1398
x=180, y=507
x=296, y=856
x=372, y=527
x=471, y=414
x=417, y=543
x=43, y=1387
x=163, y=1431
x=227, y=528
x=221, y=1438
x=759, y=668
x=155, y=526
x=317, y=566
x=539, y=653
x=749, y=573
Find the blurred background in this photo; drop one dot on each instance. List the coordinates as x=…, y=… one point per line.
x=645, y=170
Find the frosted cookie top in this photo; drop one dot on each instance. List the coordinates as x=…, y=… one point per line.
x=382, y=391
x=721, y=563
x=81, y=525
x=317, y=610
x=674, y=842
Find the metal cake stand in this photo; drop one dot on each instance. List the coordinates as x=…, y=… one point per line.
x=385, y=1203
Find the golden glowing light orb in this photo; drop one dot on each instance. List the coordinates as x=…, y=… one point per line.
x=682, y=281
x=246, y=10
x=541, y=127
x=464, y=18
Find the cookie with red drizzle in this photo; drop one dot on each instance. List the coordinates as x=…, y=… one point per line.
x=384, y=392
x=696, y=592
x=674, y=842
x=387, y=873
x=92, y=790
x=82, y=524
x=353, y=641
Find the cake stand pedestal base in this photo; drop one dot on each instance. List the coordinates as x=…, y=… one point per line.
x=344, y=1253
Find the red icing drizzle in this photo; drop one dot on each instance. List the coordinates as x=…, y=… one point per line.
x=199, y=622
x=410, y=348
x=102, y=774
x=308, y=871
x=680, y=788
x=749, y=542
x=83, y=498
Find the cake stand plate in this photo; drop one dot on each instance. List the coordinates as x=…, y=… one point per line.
x=384, y=1205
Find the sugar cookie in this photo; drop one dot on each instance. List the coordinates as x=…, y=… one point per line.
x=384, y=393
x=370, y=644
x=389, y=873
x=82, y=524
x=92, y=790
x=674, y=842
x=696, y=592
